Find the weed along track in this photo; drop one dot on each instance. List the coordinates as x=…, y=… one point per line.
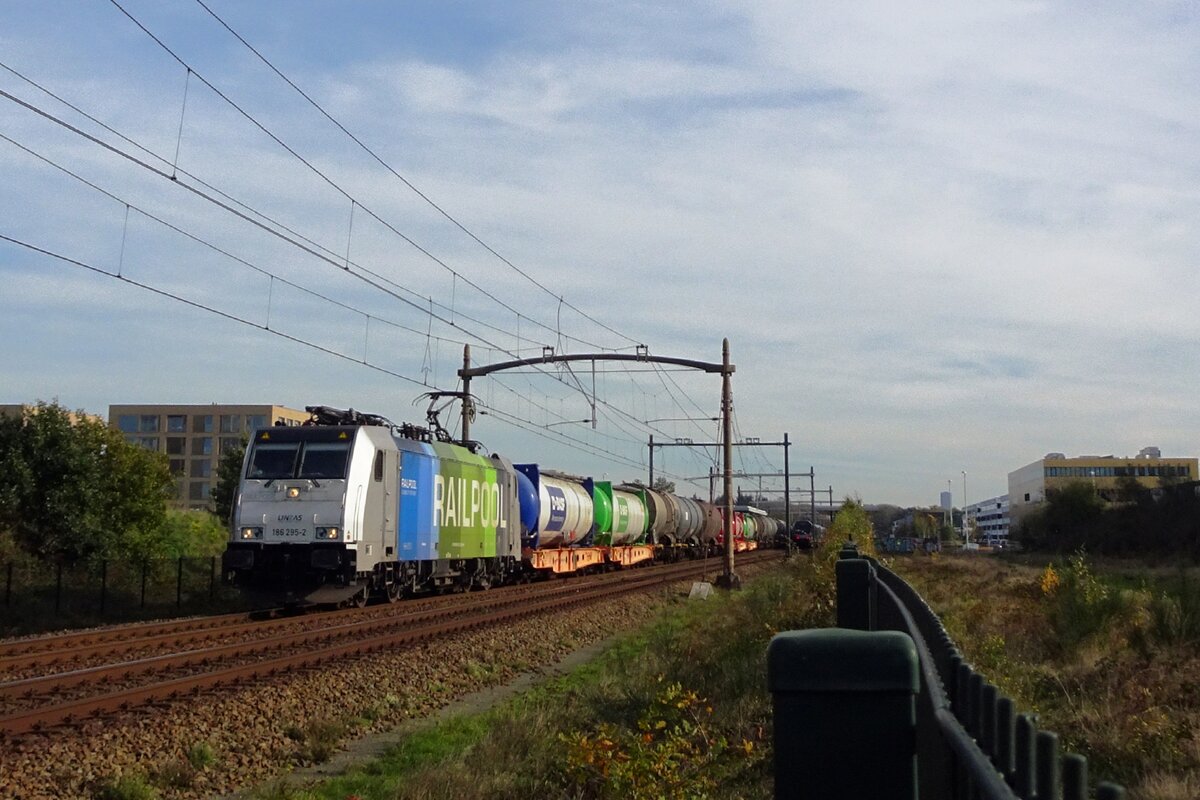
x=243, y=652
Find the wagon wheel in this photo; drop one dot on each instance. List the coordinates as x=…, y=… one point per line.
x=393, y=592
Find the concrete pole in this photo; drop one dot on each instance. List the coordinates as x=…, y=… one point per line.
x=466, y=399
x=651, y=484
x=730, y=579
x=787, y=490
x=966, y=528
x=812, y=495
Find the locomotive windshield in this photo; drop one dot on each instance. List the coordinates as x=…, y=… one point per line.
x=273, y=460
x=313, y=460
x=321, y=460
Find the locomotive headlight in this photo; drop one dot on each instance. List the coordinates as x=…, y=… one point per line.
x=293, y=492
x=328, y=533
x=252, y=533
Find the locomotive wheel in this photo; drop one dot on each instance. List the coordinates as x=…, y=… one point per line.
x=392, y=592
x=359, y=600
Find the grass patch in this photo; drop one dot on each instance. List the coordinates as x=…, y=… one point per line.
x=678, y=709
x=1109, y=660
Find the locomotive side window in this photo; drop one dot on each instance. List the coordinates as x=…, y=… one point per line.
x=378, y=466
x=273, y=461
x=322, y=460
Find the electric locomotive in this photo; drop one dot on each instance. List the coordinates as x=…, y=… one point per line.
x=352, y=505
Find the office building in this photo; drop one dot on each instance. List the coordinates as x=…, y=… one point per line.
x=988, y=521
x=1028, y=486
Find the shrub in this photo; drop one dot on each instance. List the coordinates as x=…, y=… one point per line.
x=666, y=756
x=318, y=738
x=126, y=787
x=201, y=755
x=1083, y=604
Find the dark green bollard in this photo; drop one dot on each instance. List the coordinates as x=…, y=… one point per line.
x=855, y=594
x=841, y=696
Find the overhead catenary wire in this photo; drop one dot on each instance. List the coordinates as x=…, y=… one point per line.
x=405, y=180
x=215, y=248
x=313, y=249
x=367, y=276
x=244, y=207
x=201, y=306
x=337, y=187
x=500, y=414
x=227, y=315
x=304, y=244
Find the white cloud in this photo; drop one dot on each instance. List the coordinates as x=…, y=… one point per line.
x=946, y=236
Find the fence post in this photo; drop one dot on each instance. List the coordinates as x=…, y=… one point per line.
x=144, y=583
x=855, y=594
x=1075, y=777
x=103, y=585
x=212, y=578
x=58, y=589
x=1049, y=770
x=179, y=584
x=1025, y=781
x=839, y=694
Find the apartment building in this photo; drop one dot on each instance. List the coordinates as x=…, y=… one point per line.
x=194, y=436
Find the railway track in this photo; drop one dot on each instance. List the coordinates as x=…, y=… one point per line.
x=173, y=663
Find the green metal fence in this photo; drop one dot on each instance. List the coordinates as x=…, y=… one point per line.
x=886, y=706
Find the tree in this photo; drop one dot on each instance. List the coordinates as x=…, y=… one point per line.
x=76, y=490
x=663, y=485
x=229, y=475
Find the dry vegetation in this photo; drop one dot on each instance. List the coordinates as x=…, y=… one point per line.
x=1110, y=661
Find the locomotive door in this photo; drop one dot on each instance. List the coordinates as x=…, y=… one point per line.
x=391, y=472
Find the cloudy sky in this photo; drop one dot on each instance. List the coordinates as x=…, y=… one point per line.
x=940, y=237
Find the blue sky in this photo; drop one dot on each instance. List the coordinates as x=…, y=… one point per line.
x=940, y=236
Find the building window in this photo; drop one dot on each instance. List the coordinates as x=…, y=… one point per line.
x=202, y=446
x=148, y=423
x=175, y=445
x=254, y=421
x=230, y=443
x=231, y=423
x=148, y=442
x=127, y=423
x=176, y=423
x=1027, y=497
x=177, y=467
x=202, y=423
x=198, y=490
x=201, y=468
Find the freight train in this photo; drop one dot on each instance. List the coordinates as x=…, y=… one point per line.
x=349, y=506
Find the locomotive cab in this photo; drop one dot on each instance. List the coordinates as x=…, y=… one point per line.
x=298, y=517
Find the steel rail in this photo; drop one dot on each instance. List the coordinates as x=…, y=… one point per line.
x=41, y=718
x=78, y=647
x=55, y=682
